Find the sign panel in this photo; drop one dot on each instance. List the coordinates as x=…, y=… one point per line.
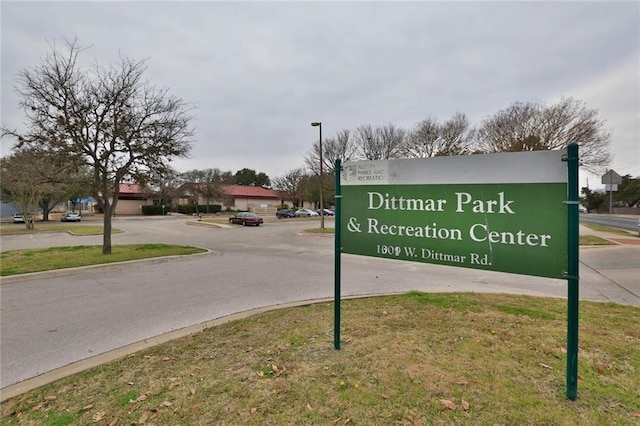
x=611, y=178
x=500, y=212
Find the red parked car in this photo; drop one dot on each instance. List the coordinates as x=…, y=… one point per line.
x=246, y=218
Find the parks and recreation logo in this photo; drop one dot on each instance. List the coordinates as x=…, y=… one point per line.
x=366, y=173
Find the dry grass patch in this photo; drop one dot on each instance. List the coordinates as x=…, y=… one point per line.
x=321, y=231
x=71, y=228
x=592, y=240
x=406, y=360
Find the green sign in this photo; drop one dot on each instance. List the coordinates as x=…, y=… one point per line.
x=499, y=212
x=510, y=212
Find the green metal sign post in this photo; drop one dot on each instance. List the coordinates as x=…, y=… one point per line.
x=338, y=250
x=508, y=212
x=572, y=271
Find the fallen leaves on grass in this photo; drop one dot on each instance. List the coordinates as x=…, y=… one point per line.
x=465, y=405
x=445, y=403
x=98, y=416
x=138, y=399
x=450, y=405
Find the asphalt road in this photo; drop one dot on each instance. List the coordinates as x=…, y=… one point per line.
x=53, y=319
x=627, y=223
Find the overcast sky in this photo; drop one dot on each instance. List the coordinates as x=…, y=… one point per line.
x=261, y=72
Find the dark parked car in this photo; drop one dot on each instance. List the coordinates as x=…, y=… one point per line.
x=285, y=213
x=327, y=212
x=71, y=217
x=246, y=218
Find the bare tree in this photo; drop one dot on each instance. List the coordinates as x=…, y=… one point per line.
x=164, y=184
x=364, y=138
x=212, y=186
x=423, y=141
x=205, y=183
x=458, y=136
x=341, y=146
x=529, y=127
x=429, y=138
x=391, y=138
x=110, y=119
x=291, y=185
x=381, y=143
x=190, y=185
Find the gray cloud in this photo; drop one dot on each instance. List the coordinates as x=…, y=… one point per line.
x=261, y=72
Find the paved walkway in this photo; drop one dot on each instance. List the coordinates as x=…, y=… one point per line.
x=611, y=270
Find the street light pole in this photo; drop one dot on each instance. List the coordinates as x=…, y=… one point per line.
x=319, y=124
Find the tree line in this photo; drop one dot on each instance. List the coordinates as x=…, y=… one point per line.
x=90, y=128
x=519, y=127
x=627, y=195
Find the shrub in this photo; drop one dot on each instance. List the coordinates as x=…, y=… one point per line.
x=154, y=210
x=190, y=209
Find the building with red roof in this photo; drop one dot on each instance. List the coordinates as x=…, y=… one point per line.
x=131, y=199
x=235, y=197
x=247, y=197
x=239, y=197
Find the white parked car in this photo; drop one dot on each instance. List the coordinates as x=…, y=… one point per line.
x=582, y=209
x=71, y=217
x=305, y=213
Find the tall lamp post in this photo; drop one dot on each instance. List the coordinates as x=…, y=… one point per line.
x=319, y=125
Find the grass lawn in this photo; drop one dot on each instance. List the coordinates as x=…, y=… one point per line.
x=36, y=260
x=412, y=359
x=321, y=231
x=604, y=228
x=210, y=221
x=592, y=240
x=72, y=228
